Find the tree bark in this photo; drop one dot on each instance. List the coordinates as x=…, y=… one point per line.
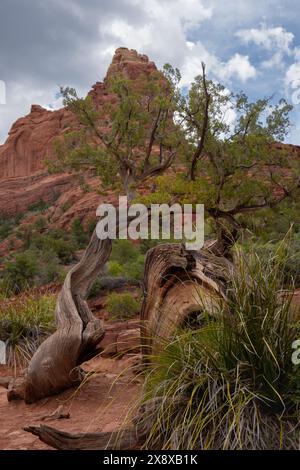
x=177, y=283
x=55, y=365
x=123, y=440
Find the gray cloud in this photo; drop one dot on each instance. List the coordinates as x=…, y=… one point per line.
x=48, y=43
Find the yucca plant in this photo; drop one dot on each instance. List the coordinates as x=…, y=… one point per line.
x=25, y=321
x=232, y=384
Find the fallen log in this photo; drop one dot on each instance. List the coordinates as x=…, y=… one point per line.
x=61, y=440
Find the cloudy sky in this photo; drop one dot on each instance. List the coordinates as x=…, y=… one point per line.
x=253, y=45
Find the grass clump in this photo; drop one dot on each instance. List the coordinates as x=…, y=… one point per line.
x=25, y=322
x=232, y=383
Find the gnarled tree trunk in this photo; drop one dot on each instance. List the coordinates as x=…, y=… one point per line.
x=55, y=365
x=179, y=283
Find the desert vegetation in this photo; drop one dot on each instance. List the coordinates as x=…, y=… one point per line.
x=217, y=325
x=231, y=384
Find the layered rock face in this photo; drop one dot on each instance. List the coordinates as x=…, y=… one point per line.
x=23, y=174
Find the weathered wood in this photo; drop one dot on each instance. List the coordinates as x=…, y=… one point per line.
x=55, y=365
x=131, y=437
x=61, y=440
x=177, y=283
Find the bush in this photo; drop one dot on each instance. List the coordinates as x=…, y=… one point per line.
x=78, y=234
x=107, y=283
x=231, y=384
x=115, y=269
x=32, y=267
x=20, y=273
x=122, y=306
x=56, y=241
x=6, y=228
x=126, y=261
x=24, y=324
x=39, y=206
x=25, y=234
x=135, y=270
x=124, y=251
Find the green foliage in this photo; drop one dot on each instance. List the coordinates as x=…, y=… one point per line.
x=20, y=273
x=231, y=384
x=135, y=269
x=39, y=206
x=122, y=306
x=56, y=241
x=25, y=233
x=78, y=234
x=140, y=119
x=106, y=284
x=6, y=228
x=126, y=261
x=152, y=123
x=31, y=268
x=267, y=252
x=91, y=226
x=124, y=251
x=40, y=223
x=115, y=269
x=24, y=324
x=66, y=206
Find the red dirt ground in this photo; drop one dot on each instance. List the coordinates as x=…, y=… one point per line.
x=101, y=404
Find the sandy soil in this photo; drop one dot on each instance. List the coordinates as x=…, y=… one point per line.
x=101, y=404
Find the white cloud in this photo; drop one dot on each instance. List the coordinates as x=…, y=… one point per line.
x=268, y=38
x=292, y=76
x=78, y=38
x=238, y=66
x=164, y=39
x=273, y=39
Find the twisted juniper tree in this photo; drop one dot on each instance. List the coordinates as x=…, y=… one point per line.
x=131, y=138
x=234, y=162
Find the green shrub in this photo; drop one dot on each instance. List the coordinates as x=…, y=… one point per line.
x=115, y=269
x=122, y=306
x=39, y=206
x=56, y=241
x=126, y=261
x=267, y=251
x=231, y=384
x=32, y=267
x=124, y=251
x=24, y=324
x=107, y=284
x=21, y=272
x=6, y=228
x=25, y=234
x=78, y=234
x=135, y=269
x=66, y=206
x=40, y=223
x=91, y=227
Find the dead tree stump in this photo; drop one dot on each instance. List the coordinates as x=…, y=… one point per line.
x=55, y=365
x=177, y=283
